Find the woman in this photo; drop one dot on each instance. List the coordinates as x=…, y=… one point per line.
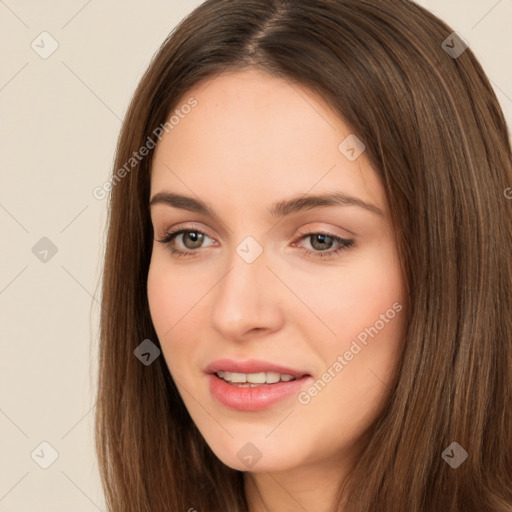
x=308, y=281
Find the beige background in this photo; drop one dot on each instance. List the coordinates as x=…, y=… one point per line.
x=60, y=119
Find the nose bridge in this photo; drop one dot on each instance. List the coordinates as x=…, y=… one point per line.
x=245, y=297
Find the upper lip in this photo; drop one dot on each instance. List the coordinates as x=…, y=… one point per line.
x=251, y=366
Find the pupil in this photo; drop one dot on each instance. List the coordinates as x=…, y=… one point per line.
x=195, y=237
x=323, y=241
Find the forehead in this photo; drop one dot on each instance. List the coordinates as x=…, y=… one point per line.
x=261, y=136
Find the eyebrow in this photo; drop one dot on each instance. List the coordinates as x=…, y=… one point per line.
x=279, y=209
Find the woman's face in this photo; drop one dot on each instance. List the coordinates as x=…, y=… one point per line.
x=310, y=287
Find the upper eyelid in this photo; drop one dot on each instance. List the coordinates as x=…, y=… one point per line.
x=179, y=228
x=300, y=236
x=309, y=231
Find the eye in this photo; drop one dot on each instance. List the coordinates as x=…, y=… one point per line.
x=192, y=239
x=322, y=244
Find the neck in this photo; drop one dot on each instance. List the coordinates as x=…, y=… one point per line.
x=305, y=488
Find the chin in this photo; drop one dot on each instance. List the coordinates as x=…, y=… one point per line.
x=258, y=455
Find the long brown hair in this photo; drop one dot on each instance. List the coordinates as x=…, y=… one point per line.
x=435, y=133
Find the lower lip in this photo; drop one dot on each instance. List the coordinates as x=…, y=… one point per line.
x=257, y=398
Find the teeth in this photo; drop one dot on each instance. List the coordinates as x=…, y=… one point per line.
x=255, y=378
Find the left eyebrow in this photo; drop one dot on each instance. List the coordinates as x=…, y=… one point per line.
x=279, y=209
x=300, y=203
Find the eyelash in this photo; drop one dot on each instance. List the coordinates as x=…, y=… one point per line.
x=344, y=244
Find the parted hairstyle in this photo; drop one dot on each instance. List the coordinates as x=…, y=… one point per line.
x=435, y=133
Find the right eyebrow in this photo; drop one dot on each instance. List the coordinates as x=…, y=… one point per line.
x=181, y=201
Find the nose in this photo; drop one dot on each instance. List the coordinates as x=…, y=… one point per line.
x=247, y=299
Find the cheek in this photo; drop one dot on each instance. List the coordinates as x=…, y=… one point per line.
x=362, y=312
x=176, y=308
x=160, y=291
x=172, y=292
x=169, y=298
x=352, y=297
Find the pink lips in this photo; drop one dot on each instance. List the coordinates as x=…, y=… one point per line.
x=251, y=366
x=253, y=398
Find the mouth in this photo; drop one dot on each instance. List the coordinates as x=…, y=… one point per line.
x=254, y=385
x=253, y=380
x=253, y=371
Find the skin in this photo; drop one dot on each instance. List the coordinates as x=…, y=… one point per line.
x=253, y=140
